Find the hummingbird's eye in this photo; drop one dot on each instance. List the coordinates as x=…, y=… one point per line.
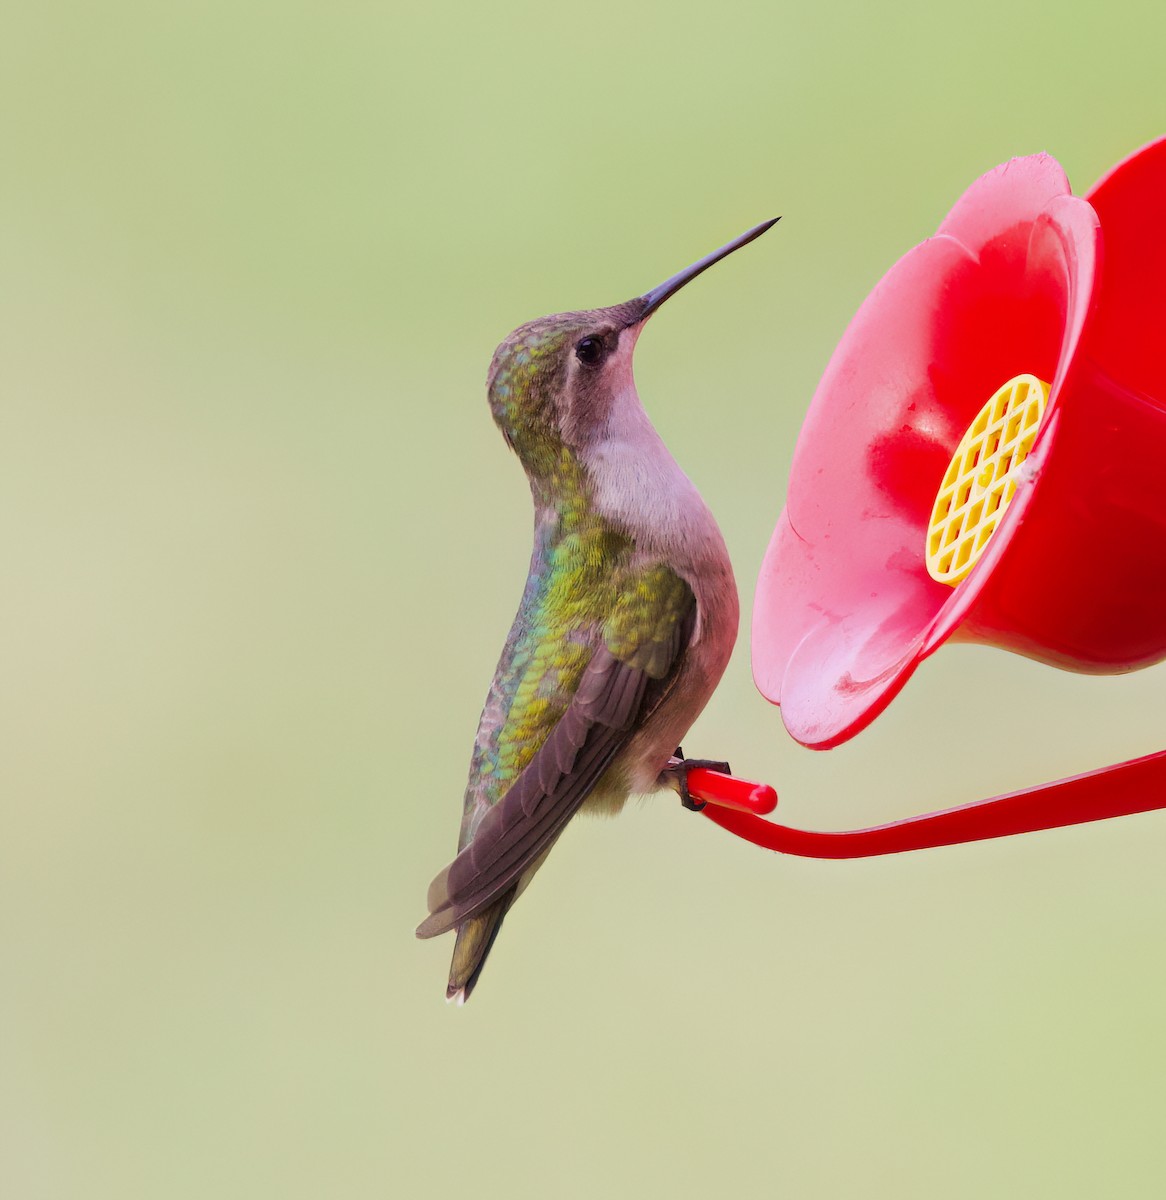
x=590, y=351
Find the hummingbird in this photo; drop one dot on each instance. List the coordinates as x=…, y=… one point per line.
x=625, y=626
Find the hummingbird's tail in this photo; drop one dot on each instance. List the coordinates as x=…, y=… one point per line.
x=474, y=939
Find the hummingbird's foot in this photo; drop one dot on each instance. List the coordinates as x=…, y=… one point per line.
x=677, y=772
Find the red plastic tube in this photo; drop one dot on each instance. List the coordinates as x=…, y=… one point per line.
x=1138, y=785
x=727, y=791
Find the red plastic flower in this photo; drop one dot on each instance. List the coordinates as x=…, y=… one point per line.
x=1022, y=279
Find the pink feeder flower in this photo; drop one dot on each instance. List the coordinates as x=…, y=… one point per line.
x=985, y=457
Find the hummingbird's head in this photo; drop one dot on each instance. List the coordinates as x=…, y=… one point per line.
x=553, y=383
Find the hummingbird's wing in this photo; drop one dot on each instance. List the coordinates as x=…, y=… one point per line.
x=627, y=676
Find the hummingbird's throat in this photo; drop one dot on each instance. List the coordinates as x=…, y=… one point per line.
x=982, y=477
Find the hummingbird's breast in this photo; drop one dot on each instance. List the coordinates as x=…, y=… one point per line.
x=640, y=490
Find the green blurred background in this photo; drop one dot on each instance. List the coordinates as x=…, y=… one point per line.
x=261, y=545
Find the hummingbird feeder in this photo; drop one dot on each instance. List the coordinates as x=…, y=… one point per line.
x=982, y=461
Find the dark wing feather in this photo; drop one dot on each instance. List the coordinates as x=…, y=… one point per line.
x=631, y=672
x=596, y=725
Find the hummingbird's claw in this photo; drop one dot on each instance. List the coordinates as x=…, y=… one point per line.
x=678, y=768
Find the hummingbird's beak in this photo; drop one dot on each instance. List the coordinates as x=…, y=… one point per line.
x=653, y=299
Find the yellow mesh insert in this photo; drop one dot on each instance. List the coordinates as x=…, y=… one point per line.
x=981, y=478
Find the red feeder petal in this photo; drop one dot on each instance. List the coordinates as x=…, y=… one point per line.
x=1076, y=568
